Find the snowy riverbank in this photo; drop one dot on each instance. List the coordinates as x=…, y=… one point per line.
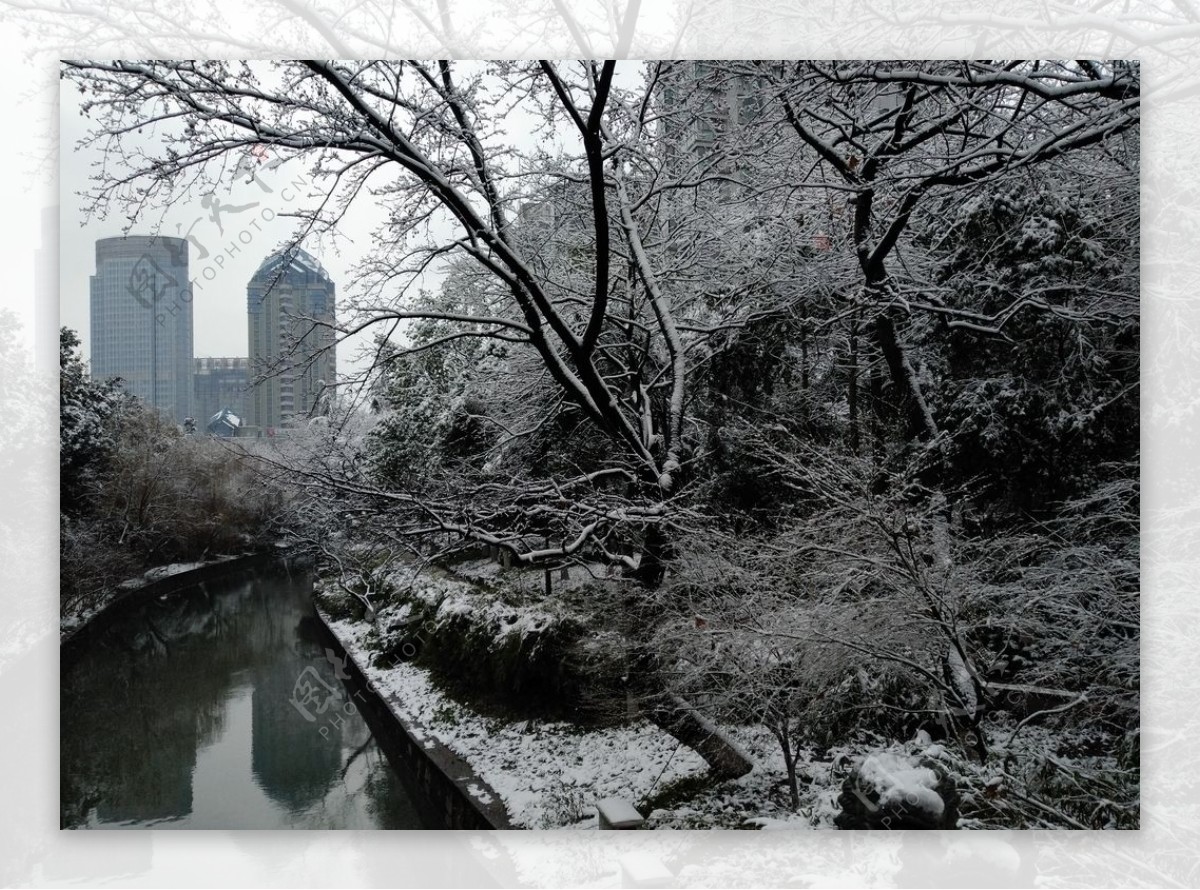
x=77, y=616
x=549, y=774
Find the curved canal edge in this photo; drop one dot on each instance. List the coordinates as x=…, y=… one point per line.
x=129, y=592
x=445, y=778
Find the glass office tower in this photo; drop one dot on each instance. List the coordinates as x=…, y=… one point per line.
x=290, y=303
x=141, y=319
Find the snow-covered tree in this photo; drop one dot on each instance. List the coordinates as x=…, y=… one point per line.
x=89, y=417
x=677, y=236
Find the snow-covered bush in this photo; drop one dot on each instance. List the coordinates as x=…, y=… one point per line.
x=897, y=791
x=745, y=646
x=158, y=497
x=172, y=497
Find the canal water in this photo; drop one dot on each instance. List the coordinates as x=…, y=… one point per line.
x=222, y=706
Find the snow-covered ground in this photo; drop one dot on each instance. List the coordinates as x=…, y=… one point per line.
x=755, y=800
x=549, y=774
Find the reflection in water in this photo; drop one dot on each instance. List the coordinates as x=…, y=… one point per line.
x=217, y=708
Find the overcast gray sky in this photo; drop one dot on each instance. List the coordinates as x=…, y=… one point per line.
x=219, y=305
x=219, y=308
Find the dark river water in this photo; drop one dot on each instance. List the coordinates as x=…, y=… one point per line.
x=218, y=707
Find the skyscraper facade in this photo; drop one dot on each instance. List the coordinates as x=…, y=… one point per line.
x=219, y=384
x=290, y=303
x=141, y=320
x=707, y=114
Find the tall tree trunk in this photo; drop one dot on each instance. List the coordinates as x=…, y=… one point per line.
x=920, y=423
x=878, y=415
x=656, y=551
x=852, y=385
x=804, y=358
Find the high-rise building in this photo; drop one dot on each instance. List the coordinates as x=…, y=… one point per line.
x=290, y=301
x=141, y=319
x=705, y=108
x=219, y=384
